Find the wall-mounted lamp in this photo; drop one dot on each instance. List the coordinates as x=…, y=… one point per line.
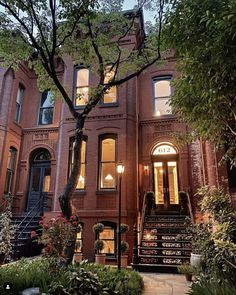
x=146, y=169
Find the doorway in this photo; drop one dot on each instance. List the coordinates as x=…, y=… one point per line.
x=39, y=181
x=165, y=174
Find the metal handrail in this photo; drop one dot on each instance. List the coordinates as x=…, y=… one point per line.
x=142, y=217
x=190, y=208
x=29, y=214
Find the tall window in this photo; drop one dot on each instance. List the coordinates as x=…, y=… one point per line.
x=79, y=240
x=82, y=86
x=11, y=162
x=110, y=95
x=81, y=181
x=162, y=95
x=19, y=101
x=107, y=163
x=109, y=238
x=46, y=108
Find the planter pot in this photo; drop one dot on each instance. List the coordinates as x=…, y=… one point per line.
x=188, y=277
x=195, y=259
x=124, y=260
x=78, y=257
x=100, y=258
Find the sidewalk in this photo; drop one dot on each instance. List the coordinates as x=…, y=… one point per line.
x=164, y=284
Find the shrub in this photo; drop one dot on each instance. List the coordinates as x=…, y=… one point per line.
x=186, y=268
x=25, y=274
x=99, y=245
x=57, y=234
x=98, y=228
x=124, y=246
x=214, y=286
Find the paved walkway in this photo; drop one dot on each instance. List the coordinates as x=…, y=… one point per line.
x=164, y=284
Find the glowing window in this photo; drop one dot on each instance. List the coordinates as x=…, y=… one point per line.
x=162, y=95
x=108, y=163
x=164, y=149
x=110, y=96
x=82, y=87
x=108, y=236
x=81, y=180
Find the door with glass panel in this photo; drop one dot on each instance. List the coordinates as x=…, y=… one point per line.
x=39, y=183
x=166, y=183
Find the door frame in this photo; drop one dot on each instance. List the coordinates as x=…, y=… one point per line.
x=42, y=165
x=165, y=159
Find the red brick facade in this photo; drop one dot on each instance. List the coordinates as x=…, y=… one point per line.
x=137, y=131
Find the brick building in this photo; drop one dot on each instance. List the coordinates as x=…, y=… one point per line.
x=134, y=125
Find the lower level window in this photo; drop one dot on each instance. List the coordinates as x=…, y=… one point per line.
x=108, y=236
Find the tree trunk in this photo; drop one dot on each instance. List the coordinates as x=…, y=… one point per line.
x=65, y=197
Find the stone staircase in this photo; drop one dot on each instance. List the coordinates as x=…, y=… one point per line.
x=160, y=249
x=22, y=243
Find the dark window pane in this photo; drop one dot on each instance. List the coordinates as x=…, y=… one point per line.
x=8, y=181
x=35, y=179
x=42, y=156
x=45, y=116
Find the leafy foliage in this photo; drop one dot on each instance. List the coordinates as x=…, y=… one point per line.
x=216, y=285
x=7, y=232
x=203, y=34
x=83, y=278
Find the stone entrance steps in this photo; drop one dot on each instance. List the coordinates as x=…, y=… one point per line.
x=160, y=248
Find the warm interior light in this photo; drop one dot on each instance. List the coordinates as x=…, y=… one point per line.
x=120, y=168
x=109, y=177
x=81, y=179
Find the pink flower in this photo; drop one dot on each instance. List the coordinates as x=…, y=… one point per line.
x=33, y=234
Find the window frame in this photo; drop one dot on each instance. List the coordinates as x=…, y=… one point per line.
x=19, y=104
x=42, y=108
x=111, y=225
x=155, y=99
x=100, y=162
x=76, y=69
x=71, y=141
x=109, y=104
x=10, y=170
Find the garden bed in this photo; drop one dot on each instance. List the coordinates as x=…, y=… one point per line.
x=82, y=279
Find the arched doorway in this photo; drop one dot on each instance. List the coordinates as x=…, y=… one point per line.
x=39, y=180
x=165, y=174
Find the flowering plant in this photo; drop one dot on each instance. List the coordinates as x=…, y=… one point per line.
x=7, y=232
x=57, y=234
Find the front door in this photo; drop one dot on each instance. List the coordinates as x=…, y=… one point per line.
x=39, y=183
x=166, y=184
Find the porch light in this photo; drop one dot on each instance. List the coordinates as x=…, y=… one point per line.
x=120, y=168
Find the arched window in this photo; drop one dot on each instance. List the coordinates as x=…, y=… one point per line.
x=46, y=108
x=107, y=162
x=11, y=164
x=162, y=95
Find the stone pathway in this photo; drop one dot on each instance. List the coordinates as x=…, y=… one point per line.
x=164, y=284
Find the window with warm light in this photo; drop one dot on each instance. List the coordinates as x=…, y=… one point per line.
x=162, y=96
x=81, y=86
x=19, y=102
x=81, y=180
x=107, y=165
x=108, y=236
x=46, y=108
x=110, y=96
x=11, y=163
x=79, y=240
